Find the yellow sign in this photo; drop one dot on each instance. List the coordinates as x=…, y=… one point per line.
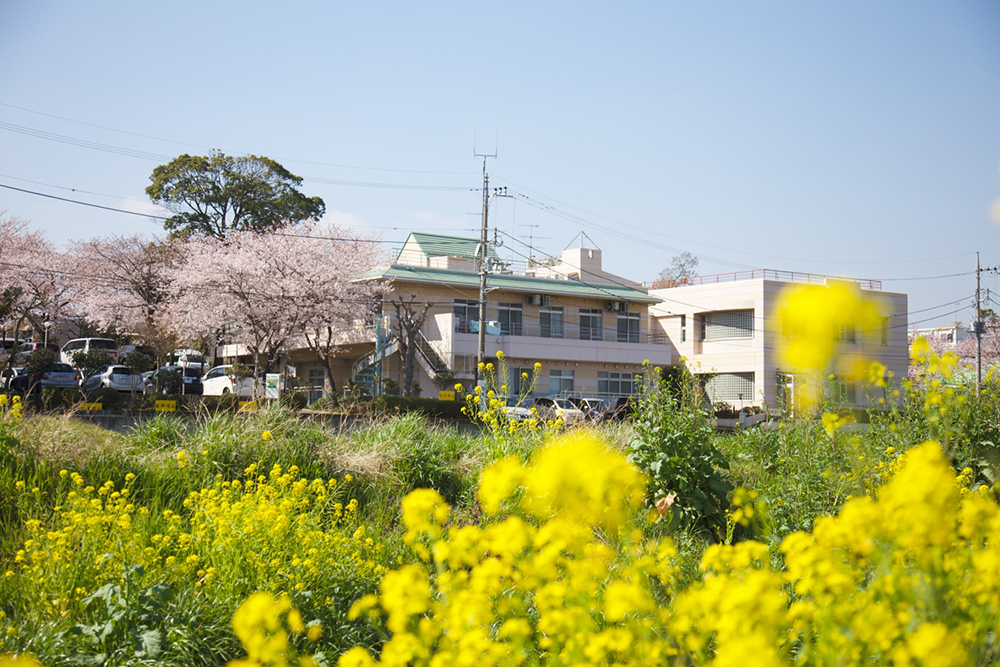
x=446, y=395
x=166, y=406
x=91, y=406
x=248, y=406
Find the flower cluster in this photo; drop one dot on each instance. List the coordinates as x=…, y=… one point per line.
x=275, y=531
x=911, y=576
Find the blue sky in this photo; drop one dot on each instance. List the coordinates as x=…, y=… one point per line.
x=850, y=138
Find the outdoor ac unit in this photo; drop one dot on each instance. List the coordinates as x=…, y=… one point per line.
x=534, y=299
x=615, y=306
x=546, y=301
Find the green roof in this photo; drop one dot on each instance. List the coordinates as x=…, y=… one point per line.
x=513, y=283
x=437, y=245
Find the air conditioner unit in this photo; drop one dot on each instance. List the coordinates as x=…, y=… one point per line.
x=534, y=299
x=615, y=306
x=546, y=301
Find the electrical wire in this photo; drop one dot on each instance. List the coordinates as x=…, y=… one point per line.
x=209, y=148
x=740, y=251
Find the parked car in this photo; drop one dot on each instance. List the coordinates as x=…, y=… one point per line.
x=516, y=412
x=624, y=408
x=220, y=380
x=126, y=350
x=167, y=382
x=14, y=379
x=61, y=376
x=117, y=377
x=105, y=345
x=8, y=345
x=594, y=409
x=551, y=408
x=20, y=355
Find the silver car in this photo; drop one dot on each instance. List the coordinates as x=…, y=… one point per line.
x=62, y=376
x=113, y=377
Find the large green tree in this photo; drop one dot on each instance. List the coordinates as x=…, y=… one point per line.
x=216, y=194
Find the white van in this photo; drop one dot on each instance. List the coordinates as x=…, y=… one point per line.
x=105, y=345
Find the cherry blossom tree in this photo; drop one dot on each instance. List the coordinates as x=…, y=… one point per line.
x=128, y=286
x=263, y=290
x=35, y=279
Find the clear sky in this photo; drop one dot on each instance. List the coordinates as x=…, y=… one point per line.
x=850, y=138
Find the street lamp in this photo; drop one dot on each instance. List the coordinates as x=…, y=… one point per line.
x=48, y=325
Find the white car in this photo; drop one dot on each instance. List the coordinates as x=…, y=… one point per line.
x=220, y=381
x=515, y=412
x=551, y=408
x=105, y=345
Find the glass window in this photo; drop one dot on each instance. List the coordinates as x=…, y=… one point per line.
x=550, y=321
x=884, y=337
x=730, y=387
x=466, y=312
x=317, y=384
x=843, y=390
x=727, y=324
x=511, y=316
x=628, y=328
x=560, y=381
x=591, y=324
x=615, y=383
x=845, y=332
x=684, y=330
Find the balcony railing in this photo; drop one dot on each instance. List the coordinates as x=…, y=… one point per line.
x=570, y=331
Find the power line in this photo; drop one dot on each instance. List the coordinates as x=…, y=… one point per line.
x=574, y=218
x=66, y=139
x=83, y=203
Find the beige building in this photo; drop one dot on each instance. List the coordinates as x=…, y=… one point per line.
x=728, y=329
x=588, y=329
x=591, y=330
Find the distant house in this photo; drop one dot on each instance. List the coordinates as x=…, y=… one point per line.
x=944, y=336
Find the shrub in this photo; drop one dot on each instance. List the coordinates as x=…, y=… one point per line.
x=294, y=400
x=674, y=445
x=430, y=407
x=108, y=398
x=330, y=402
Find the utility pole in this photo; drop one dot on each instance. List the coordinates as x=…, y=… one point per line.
x=483, y=255
x=484, y=262
x=978, y=326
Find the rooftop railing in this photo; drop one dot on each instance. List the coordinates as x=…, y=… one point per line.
x=765, y=274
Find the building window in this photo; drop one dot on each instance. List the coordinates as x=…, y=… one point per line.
x=842, y=389
x=613, y=383
x=466, y=312
x=519, y=383
x=560, y=381
x=550, y=321
x=511, y=316
x=884, y=331
x=465, y=364
x=628, y=328
x=591, y=324
x=845, y=332
x=727, y=324
x=317, y=384
x=730, y=387
x=684, y=328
